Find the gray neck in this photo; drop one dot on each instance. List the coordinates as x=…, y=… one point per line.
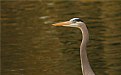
x=86, y=68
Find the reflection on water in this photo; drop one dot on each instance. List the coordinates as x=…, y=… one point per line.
x=31, y=46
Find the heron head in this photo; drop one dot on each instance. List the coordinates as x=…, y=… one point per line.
x=74, y=22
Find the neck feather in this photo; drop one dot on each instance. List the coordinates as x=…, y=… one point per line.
x=86, y=68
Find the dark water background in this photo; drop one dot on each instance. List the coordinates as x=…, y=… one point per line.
x=31, y=46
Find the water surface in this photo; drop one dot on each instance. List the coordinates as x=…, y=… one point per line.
x=31, y=46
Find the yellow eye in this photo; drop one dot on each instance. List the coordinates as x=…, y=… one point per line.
x=74, y=21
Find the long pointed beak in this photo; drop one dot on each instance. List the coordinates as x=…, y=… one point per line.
x=62, y=23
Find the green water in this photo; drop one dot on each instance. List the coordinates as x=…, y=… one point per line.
x=31, y=46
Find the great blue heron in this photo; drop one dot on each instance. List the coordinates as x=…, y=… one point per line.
x=78, y=23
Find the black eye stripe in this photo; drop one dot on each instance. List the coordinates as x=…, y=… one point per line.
x=78, y=20
x=74, y=20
